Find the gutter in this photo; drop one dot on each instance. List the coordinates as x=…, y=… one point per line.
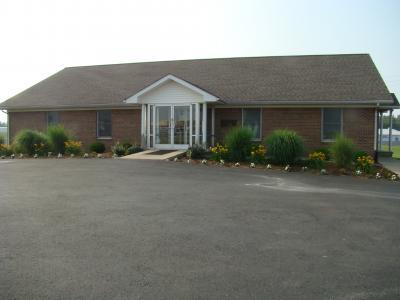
x=372, y=103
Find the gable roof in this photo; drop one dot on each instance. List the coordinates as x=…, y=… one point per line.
x=206, y=96
x=349, y=78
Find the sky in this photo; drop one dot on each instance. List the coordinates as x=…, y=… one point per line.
x=39, y=38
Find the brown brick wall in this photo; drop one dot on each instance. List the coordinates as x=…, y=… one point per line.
x=223, y=116
x=358, y=124
x=82, y=124
x=23, y=120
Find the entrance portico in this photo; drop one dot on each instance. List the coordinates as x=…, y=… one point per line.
x=174, y=114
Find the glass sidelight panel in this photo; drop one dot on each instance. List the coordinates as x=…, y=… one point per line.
x=181, y=125
x=163, y=125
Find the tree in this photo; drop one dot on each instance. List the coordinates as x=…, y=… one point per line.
x=396, y=122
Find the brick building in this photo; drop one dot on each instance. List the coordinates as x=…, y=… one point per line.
x=175, y=104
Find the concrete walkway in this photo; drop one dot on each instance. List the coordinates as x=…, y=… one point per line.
x=148, y=155
x=391, y=164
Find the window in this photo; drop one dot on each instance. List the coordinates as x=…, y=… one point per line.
x=104, y=124
x=252, y=119
x=331, y=123
x=52, y=118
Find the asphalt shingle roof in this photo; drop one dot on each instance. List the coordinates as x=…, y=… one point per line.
x=249, y=80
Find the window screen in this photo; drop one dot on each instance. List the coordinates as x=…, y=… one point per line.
x=104, y=123
x=332, y=123
x=252, y=119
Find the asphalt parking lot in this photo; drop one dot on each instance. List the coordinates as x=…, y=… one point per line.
x=121, y=229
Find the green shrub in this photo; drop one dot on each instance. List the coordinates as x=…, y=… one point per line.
x=359, y=153
x=342, y=151
x=196, y=152
x=57, y=135
x=284, y=146
x=239, y=143
x=31, y=142
x=118, y=149
x=98, y=147
x=134, y=149
x=126, y=145
x=2, y=139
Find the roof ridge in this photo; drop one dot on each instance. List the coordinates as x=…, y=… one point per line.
x=218, y=58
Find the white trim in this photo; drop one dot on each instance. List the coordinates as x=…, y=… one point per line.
x=261, y=135
x=212, y=126
x=375, y=129
x=171, y=145
x=207, y=97
x=204, y=141
x=8, y=129
x=191, y=126
x=197, y=124
x=143, y=137
x=322, y=124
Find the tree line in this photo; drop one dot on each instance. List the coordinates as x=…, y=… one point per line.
x=396, y=122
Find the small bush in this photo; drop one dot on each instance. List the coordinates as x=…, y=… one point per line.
x=284, y=146
x=325, y=151
x=30, y=142
x=118, y=149
x=238, y=141
x=5, y=150
x=98, y=147
x=57, y=135
x=73, y=147
x=257, y=154
x=126, y=145
x=342, y=151
x=316, y=160
x=359, y=153
x=365, y=164
x=219, y=152
x=196, y=152
x=2, y=139
x=134, y=149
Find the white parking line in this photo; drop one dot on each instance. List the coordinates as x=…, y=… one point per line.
x=276, y=183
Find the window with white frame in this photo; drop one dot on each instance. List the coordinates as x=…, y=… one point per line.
x=52, y=118
x=331, y=123
x=104, y=124
x=252, y=119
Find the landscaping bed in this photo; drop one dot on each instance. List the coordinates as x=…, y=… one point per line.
x=284, y=150
x=331, y=168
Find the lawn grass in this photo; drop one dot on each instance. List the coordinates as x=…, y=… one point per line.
x=395, y=149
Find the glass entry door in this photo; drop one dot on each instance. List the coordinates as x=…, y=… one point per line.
x=172, y=126
x=163, y=125
x=181, y=125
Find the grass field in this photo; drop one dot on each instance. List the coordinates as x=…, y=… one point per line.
x=395, y=149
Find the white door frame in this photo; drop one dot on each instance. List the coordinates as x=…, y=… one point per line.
x=172, y=145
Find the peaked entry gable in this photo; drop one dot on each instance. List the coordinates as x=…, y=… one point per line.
x=170, y=83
